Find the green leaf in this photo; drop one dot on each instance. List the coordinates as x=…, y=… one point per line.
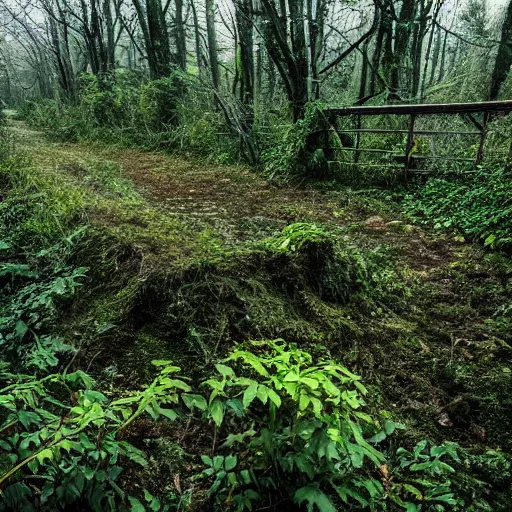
x=274, y=398
x=136, y=505
x=195, y=401
x=168, y=413
x=314, y=496
x=47, y=453
x=21, y=329
x=28, y=418
x=250, y=394
x=230, y=462
x=250, y=359
x=207, y=461
x=132, y=453
x=489, y=241
x=114, y=472
x=216, y=411
x=378, y=437
x=414, y=491
x=225, y=371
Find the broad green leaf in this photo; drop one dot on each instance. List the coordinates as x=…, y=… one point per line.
x=250, y=394
x=274, y=398
x=195, y=401
x=47, y=453
x=132, y=453
x=313, y=496
x=230, y=462
x=136, y=505
x=225, y=371
x=216, y=411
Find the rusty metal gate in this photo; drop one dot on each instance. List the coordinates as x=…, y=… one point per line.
x=356, y=115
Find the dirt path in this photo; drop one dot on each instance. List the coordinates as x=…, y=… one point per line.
x=234, y=201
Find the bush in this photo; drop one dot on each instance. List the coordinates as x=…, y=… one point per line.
x=334, y=270
x=293, y=155
x=157, y=114
x=299, y=430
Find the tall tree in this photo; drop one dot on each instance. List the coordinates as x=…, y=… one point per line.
x=153, y=25
x=180, y=36
x=212, y=43
x=504, y=57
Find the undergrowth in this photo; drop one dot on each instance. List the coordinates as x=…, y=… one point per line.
x=94, y=301
x=478, y=208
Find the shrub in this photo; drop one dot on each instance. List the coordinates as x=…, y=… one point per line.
x=294, y=155
x=333, y=269
x=299, y=430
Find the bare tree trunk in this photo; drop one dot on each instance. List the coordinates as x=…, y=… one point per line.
x=212, y=43
x=156, y=39
x=504, y=56
x=429, y=48
x=364, y=71
x=435, y=57
x=197, y=37
x=442, y=66
x=111, y=42
x=180, y=36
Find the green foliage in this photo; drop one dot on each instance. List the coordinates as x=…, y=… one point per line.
x=158, y=101
x=299, y=430
x=486, y=482
x=152, y=115
x=424, y=478
x=63, y=433
x=339, y=270
x=296, y=428
x=292, y=154
x=479, y=208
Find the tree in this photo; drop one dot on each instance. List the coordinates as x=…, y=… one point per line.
x=504, y=57
x=153, y=25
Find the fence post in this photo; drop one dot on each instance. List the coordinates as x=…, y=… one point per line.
x=358, y=138
x=483, y=135
x=410, y=144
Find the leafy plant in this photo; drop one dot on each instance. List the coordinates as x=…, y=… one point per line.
x=478, y=208
x=423, y=478
x=301, y=430
x=64, y=436
x=293, y=156
x=334, y=269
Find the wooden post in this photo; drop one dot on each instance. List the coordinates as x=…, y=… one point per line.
x=483, y=135
x=358, y=138
x=508, y=165
x=410, y=144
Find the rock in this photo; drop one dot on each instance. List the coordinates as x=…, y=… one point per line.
x=444, y=420
x=375, y=222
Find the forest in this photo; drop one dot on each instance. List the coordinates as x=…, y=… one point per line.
x=255, y=255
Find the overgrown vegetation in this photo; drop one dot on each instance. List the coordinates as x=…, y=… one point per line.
x=478, y=208
x=125, y=112
x=274, y=424
x=180, y=331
